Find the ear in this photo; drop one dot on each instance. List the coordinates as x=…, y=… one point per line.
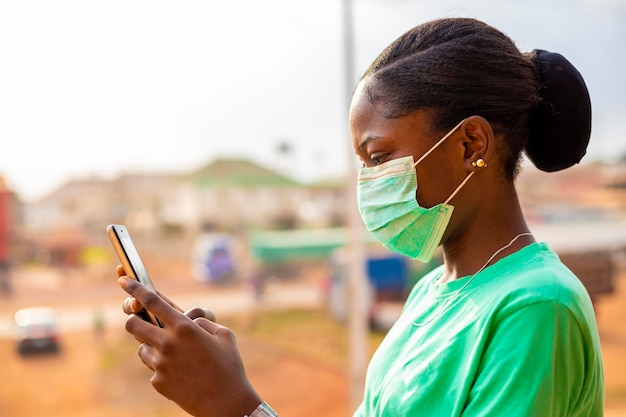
x=478, y=141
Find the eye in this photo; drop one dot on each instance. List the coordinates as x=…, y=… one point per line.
x=378, y=157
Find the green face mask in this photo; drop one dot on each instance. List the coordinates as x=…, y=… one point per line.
x=388, y=204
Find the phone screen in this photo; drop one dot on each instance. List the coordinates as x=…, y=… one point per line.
x=131, y=261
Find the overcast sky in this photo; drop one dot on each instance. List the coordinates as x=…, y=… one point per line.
x=101, y=88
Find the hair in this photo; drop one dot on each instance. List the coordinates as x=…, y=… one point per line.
x=459, y=67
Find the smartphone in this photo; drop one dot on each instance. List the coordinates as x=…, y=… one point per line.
x=132, y=263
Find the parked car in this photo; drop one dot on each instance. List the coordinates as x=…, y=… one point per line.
x=37, y=330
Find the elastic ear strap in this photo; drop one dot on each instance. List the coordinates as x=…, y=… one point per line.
x=439, y=143
x=445, y=203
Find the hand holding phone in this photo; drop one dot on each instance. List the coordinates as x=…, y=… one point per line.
x=132, y=263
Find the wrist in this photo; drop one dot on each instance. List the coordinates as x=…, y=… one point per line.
x=236, y=404
x=262, y=410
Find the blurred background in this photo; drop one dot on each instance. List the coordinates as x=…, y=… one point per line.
x=217, y=133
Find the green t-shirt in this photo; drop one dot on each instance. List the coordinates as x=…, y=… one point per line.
x=520, y=339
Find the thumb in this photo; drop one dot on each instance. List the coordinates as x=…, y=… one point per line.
x=221, y=333
x=207, y=325
x=198, y=312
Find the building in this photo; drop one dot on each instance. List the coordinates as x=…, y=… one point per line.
x=226, y=195
x=235, y=194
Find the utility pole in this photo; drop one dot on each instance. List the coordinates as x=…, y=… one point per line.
x=355, y=262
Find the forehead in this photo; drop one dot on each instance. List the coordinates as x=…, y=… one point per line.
x=367, y=121
x=363, y=114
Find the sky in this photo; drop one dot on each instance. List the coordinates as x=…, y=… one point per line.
x=99, y=89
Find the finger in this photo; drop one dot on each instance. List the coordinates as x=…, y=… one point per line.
x=216, y=330
x=170, y=302
x=142, y=330
x=131, y=306
x=120, y=271
x=146, y=353
x=199, y=312
x=207, y=325
x=150, y=301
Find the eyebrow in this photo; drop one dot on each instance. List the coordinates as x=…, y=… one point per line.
x=367, y=139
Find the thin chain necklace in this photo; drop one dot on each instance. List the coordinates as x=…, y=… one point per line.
x=456, y=293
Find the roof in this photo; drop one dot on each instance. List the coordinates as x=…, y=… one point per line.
x=238, y=173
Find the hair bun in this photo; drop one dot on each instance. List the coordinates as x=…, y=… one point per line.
x=561, y=125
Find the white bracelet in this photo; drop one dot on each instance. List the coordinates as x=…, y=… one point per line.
x=263, y=410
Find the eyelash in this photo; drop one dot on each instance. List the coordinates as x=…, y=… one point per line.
x=378, y=159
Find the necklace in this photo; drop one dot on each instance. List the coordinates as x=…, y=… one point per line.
x=456, y=293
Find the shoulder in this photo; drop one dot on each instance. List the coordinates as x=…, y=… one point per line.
x=535, y=275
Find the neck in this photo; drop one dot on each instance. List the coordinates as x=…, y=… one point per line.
x=485, y=240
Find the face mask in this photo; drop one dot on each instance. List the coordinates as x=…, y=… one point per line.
x=388, y=205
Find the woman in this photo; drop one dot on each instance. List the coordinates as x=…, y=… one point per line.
x=502, y=328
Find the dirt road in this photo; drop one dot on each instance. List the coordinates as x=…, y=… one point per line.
x=101, y=376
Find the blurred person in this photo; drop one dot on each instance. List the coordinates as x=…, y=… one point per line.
x=502, y=328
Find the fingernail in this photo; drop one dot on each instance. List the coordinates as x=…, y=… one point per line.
x=123, y=282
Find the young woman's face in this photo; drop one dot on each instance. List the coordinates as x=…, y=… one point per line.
x=377, y=139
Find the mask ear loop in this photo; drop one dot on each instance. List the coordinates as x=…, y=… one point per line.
x=438, y=143
x=445, y=203
x=435, y=147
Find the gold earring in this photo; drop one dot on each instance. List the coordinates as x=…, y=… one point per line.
x=480, y=163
